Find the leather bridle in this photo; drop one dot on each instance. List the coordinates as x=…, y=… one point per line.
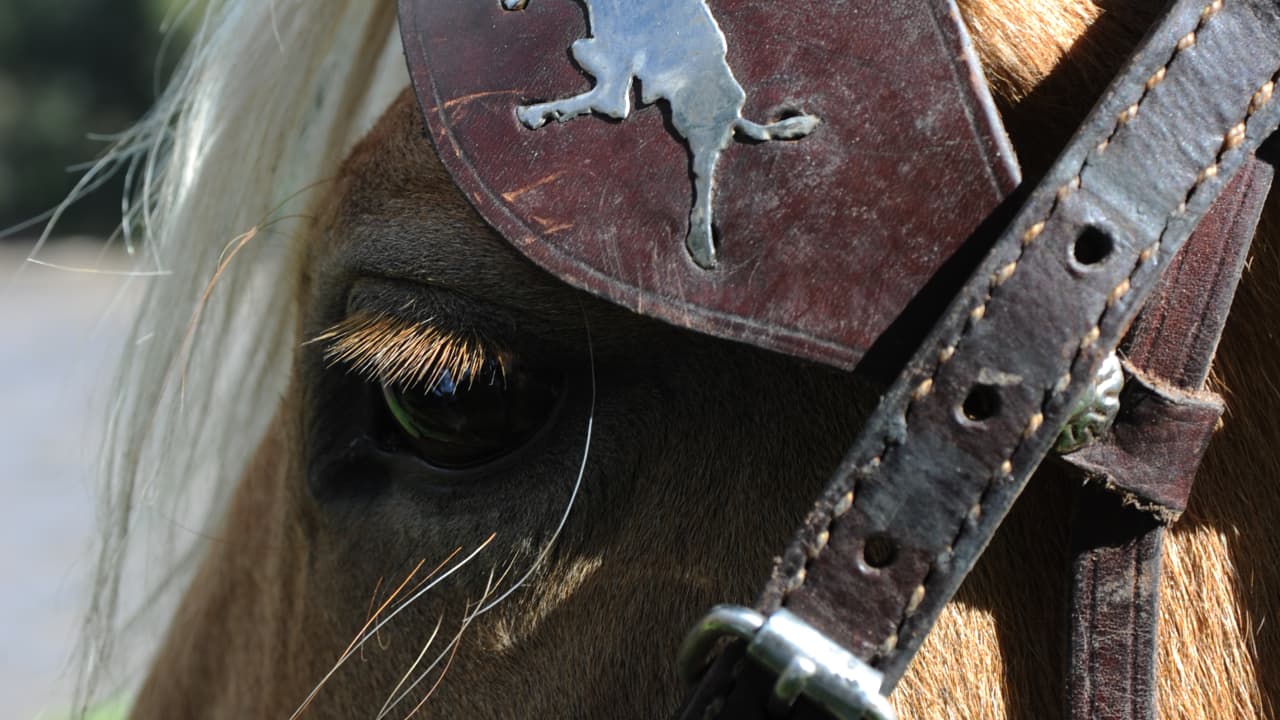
x=1132, y=242
x=1167, y=149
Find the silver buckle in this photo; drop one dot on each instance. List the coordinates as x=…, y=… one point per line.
x=806, y=662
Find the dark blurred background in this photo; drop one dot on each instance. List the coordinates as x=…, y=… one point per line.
x=72, y=71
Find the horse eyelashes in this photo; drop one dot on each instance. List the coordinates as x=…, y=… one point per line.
x=447, y=397
x=402, y=353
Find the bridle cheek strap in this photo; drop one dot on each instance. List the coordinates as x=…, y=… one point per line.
x=1139, y=476
x=983, y=399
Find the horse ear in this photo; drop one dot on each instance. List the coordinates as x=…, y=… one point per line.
x=664, y=213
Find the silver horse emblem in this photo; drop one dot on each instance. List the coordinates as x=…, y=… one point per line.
x=677, y=51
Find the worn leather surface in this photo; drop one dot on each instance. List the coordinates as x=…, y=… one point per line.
x=1115, y=579
x=1142, y=473
x=1176, y=337
x=1166, y=417
x=823, y=240
x=1027, y=332
x=1149, y=460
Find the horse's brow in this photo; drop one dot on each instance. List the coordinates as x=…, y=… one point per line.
x=404, y=353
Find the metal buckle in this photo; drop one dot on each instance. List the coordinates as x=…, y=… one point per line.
x=806, y=662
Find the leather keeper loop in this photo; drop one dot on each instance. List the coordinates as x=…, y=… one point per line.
x=1151, y=454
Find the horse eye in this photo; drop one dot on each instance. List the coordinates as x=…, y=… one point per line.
x=462, y=422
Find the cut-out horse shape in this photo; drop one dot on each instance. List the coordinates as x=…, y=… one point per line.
x=676, y=50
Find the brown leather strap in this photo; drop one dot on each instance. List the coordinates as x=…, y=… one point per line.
x=1166, y=418
x=1115, y=578
x=1177, y=334
x=1150, y=458
x=1143, y=471
x=976, y=409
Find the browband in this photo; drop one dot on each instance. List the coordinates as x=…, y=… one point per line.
x=986, y=394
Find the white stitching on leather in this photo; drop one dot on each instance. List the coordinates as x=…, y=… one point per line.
x=998, y=279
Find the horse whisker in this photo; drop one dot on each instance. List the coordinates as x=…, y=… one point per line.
x=577, y=485
x=433, y=583
x=437, y=569
x=450, y=650
x=365, y=634
x=369, y=613
x=414, y=666
x=356, y=642
x=483, y=606
x=359, y=641
x=448, y=664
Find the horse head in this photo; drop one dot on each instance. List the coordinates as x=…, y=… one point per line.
x=447, y=481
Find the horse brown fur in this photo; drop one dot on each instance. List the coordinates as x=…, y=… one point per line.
x=678, y=510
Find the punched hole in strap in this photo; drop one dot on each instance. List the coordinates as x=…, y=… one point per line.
x=982, y=403
x=1092, y=246
x=879, y=551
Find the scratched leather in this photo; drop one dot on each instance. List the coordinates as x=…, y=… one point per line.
x=824, y=240
x=1115, y=579
x=1143, y=471
x=938, y=485
x=1034, y=324
x=1166, y=417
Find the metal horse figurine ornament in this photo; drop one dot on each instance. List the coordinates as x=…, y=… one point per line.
x=688, y=69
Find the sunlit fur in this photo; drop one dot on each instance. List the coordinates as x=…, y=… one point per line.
x=245, y=140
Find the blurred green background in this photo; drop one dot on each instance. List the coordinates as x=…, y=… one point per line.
x=69, y=70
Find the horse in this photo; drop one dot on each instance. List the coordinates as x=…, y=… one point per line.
x=582, y=503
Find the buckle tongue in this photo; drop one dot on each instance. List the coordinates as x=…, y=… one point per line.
x=807, y=663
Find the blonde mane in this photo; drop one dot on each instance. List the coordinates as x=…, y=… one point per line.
x=267, y=102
